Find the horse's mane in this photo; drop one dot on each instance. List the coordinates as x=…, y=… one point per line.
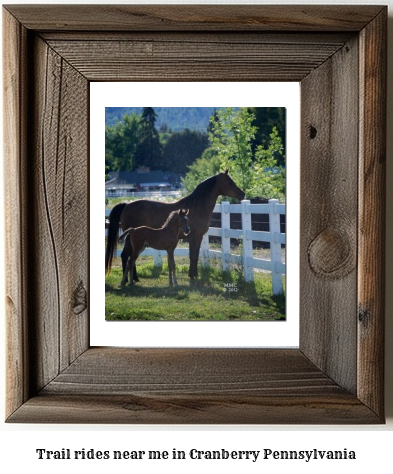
x=204, y=188
x=170, y=218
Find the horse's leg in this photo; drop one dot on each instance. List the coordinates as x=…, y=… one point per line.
x=172, y=267
x=195, y=245
x=124, y=262
x=137, y=248
x=125, y=273
x=125, y=255
x=128, y=270
x=169, y=267
x=131, y=269
x=174, y=271
x=128, y=262
x=134, y=274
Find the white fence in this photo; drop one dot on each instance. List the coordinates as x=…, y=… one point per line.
x=246, y=235
x=140, y=194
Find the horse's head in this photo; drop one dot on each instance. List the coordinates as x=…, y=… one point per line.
x=183, y=213
x=227, y=187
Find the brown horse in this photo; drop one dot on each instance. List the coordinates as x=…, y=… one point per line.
x=165, y=238
x=200, y=204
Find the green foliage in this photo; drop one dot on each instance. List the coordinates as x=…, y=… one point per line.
x=135, y=142
x=254, y=168
x=148, y=151
x=265, y=119
x=268, y=178
x=231, y=138
x=237, y=141
x=182, y=149
x=121, y=143
x=149, y=118
x=207, y=165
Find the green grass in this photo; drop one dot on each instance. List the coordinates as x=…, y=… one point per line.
x=209, y=298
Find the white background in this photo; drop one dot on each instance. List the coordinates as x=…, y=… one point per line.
x=372, y=443
x=194, y=333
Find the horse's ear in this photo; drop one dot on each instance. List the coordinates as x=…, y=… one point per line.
x=227, y=171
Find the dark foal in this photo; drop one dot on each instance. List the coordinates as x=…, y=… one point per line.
x=165, y=238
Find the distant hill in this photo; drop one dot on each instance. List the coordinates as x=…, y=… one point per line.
x=176, y=118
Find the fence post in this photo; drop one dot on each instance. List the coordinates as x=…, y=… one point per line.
x=275, y=246
x=205, y=250
x=157, y=258
x=225, y=241
x=247, y=244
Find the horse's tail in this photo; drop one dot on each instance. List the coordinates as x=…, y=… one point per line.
x=124, y=235
x=113, y=231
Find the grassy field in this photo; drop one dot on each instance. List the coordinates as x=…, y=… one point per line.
x=215, y=296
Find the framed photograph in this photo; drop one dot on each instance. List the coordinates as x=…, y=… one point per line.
x=184, y=151
x=52, y=57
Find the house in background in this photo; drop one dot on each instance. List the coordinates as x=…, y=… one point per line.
x=142, y=181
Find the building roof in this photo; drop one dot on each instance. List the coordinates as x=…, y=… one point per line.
x=152, y=177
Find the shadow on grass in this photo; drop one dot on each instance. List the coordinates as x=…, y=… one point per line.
x=179, y=292
x=212, y=282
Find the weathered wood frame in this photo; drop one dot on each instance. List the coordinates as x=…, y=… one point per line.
x=338, y=54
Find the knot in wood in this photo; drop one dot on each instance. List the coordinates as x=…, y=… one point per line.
x=80, y=299
x=364, y=316
x=313, y=132
x=330, y=254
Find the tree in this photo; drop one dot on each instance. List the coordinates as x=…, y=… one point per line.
x=121, y=141
x=164, y=128
x=231, y=138
x=265, y=118
x=107, y=177
x=205, y=166
x=149, y=150
x=253, y=168
x=149, y=118
x=269, y=178
x=182, y=149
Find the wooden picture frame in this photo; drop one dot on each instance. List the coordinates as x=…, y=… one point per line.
x=338, y=54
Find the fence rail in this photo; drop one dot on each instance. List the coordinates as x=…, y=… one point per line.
x=246, y=235
x=140, y=194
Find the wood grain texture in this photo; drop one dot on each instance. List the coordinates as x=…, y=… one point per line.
x=219, y=59
x=60, y=176
x=372, y=197
x=193, y=386
x=199, y=409
x=200, y=37
x=195, y=18
x=52, y=374
x=328, y=253
x=15, y=73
